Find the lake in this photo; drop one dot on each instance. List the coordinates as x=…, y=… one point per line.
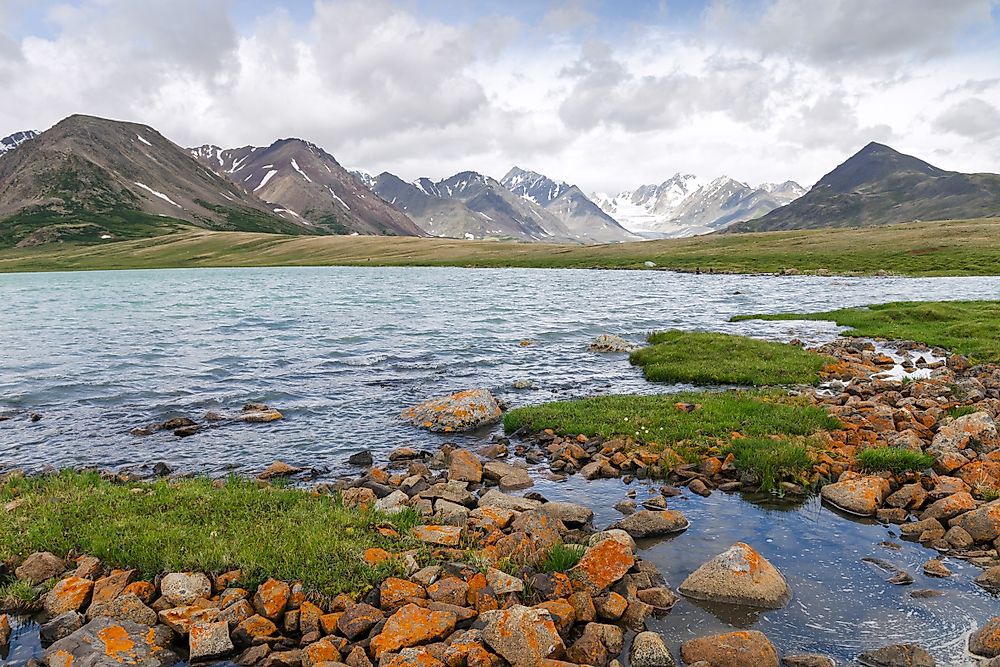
x=341, y=351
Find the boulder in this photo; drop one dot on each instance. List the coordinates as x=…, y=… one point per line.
x=446, y=536
x=602, y=565
x=898, y=655
x=253, y=628
x=394, y=503
x=496, y=499
x=40, y=566
x=465, y=467
x=125, y=607
x=861, y=496
x=462, y=411
x=949, y=507
x=358, y=619
x=105, y=642
x=570, y=514
x=745, y=648
x=70, y=594
x=183, y=588
x=990, y=579
x=976, y=431
x=985, y=641
x=209, y=640
x=61, y=626
x=648, y=650
x=982, y=524
x=523, y=636
x=739, y=575
x=411, y=626
x=650, y=523
x=271, y=598
x=258, y=413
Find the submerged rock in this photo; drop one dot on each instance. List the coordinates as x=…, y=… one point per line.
x=462, y=411
x=898, y=655
x=739, y=575
x=610, y=343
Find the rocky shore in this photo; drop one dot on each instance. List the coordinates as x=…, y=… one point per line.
x=517, y=580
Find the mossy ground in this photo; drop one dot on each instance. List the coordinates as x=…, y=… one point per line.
x=714, y=358
x=966, y=327
x=182, y=525
x=953, y=247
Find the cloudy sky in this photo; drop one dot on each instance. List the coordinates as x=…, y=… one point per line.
x=607, y=94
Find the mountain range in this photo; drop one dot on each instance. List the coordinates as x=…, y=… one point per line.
x=306, y=185
x=879, y=185
x=684, y=205
x=92, y=180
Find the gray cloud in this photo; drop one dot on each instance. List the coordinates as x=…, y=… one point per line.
x=568, y=16
x=973, y=118
x=831, y=121
x=832, y=32
x=606, y=92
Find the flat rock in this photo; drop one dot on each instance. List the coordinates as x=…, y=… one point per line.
x=498, y=499
x=861, y=496
x=446, y=536
x=570, y=514
x=808, y=660
x=744, y=648
x=105, y=642
x=739, y=575
x=461, y=411
x=651, y=523
x=898, y=655
x=465, y=466
x=410, y=626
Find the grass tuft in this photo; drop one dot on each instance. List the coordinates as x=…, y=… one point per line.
x=190, y=525
x=966, y=327
x=893, y=459
x=20, y=596
x=714, y=358
x=655, y=420
x=771, y=461
x=562, y=557
x=962, y=410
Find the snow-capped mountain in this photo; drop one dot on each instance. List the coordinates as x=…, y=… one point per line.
x=684, y=205
x=11, y=142
x=583, y=218
x=304, y=184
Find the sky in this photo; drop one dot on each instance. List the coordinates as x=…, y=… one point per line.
x=608, y=95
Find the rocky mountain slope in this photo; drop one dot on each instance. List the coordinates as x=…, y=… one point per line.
x=11, y=142
x=305, y=184
x=581, y=216
x=91, y=179
x=879, y=185
x=684, y=205
x=471, y=205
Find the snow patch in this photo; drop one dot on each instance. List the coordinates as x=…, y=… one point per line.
x=295, y=166
x=142, y=139
x=158, y=194
x=342, y=202
x=266, y=178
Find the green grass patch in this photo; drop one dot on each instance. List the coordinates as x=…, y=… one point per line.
x=893, y=459
x=19, y=595
x=714, y=358
x=771, y=461
x=190, y=525
x=967, y=327
x=655, y=419
x=561, y=557
x=962, y=410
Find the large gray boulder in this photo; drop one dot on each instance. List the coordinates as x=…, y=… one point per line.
x=739, y=575
x=461, y=411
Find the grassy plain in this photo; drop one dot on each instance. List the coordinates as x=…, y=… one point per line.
x=958, y=247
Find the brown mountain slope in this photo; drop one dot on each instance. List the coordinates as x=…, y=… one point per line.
x=91, y=179
x=304, y=183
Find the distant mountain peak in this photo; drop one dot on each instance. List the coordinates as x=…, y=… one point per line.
x=12, y=141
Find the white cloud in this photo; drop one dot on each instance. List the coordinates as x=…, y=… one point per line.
x=785, y=93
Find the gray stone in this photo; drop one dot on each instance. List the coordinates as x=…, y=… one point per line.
x=648, y=650
x=985, y=641
x=808, y=660
x=898, y=655
x=209, y=640
x=61, y=626
x=650, y=523
x=570, y=514
x=183, y=588
x=40, y=566
x=739, y=575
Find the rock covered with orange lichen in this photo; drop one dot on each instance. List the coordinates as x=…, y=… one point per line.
x=462, y=411
x=105, y=642
x=739, y=575
x=732, y=649
x=862, y=495
x=523, y=636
